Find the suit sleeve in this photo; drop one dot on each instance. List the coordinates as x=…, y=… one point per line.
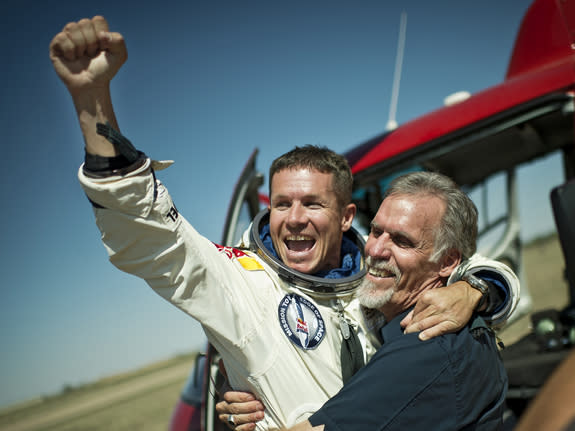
x=501, y=277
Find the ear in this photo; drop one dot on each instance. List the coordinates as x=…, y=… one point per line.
x=449, y=262
x=347, y=217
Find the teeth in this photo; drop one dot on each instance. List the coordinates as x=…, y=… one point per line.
x=299, y=243
x=299, y=238
x=381, y=268
x=380, y=272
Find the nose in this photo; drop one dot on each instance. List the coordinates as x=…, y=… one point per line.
x=378, y=247
x=296, y=215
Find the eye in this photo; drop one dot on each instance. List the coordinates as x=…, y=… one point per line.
x=281, y=205
x=375, y=231
x=402, y=241
x=314, y=205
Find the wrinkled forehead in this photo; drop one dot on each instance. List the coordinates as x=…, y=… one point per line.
x=415, y=212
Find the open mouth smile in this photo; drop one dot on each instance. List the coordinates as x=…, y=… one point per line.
x=299, y=243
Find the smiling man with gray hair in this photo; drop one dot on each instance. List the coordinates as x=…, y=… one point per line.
x=425, y=227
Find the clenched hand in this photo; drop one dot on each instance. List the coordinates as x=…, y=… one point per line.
x=86, y=55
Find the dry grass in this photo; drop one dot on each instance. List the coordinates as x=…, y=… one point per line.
x=138, y=400
x=149, y=411
x=544, y=269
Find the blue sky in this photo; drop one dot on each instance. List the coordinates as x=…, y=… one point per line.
x=205, y=83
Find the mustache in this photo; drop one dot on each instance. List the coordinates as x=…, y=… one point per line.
x=382, y=265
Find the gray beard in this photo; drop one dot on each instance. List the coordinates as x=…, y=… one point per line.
x=370, y=296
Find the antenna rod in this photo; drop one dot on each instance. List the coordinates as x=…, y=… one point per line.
x=391, y=123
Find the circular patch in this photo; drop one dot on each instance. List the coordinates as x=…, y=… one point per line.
x=301, y=321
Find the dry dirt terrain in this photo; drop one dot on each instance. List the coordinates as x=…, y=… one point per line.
x=140, y=400
x=544, y=271
x=143, y=400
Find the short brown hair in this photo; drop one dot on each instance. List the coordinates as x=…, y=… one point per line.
x=320, y=159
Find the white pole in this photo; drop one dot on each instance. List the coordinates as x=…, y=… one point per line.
x=391, y=123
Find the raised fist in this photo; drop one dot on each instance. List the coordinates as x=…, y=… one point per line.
x=86, y=55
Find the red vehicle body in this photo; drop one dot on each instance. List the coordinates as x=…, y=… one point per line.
x=527, y=116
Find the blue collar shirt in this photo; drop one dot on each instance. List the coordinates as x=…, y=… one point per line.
x=451, y=382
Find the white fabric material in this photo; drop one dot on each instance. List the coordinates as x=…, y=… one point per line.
x=478, y=263
x=237, y=307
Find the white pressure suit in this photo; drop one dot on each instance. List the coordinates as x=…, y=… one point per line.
x=278, y=340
